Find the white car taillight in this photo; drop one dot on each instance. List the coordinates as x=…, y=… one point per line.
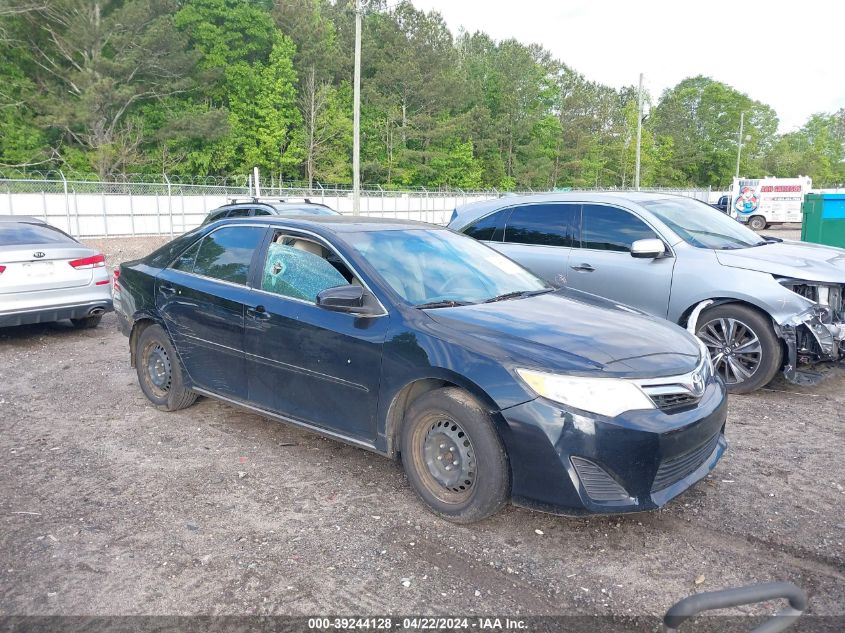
x=95, y=261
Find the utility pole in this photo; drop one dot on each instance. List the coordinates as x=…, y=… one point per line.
x=356, y=117
x=639, y=132
x=739, y=141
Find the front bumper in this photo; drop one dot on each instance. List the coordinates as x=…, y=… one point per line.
x=48, y=314
x=810, y=337
x=567, y=463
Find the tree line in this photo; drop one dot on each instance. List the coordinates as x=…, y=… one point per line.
x=215, y=87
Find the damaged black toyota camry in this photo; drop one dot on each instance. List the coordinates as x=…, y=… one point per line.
x=424, y=345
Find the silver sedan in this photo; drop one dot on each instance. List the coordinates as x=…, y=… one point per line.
x=46, y=275
x=760, y=304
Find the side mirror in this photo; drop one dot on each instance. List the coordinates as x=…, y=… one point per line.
x=648, y=249
x=351, y=299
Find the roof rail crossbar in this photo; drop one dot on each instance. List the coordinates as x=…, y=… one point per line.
x=280, y=200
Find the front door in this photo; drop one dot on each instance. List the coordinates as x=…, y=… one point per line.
x=603, y=264
x=305, y=362
x=202, y=297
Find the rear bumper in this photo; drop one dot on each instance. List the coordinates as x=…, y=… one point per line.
x=566, y=463
x=122, y=321
x=48, y=314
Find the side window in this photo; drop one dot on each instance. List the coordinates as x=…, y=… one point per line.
x=238, y=213
x=611, y=229
x=490, y=228
x=186, y=260
x=301, y=269
x=543, y=224
x=226, y=253
x=261, y=211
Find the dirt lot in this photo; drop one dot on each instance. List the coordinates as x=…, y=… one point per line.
x=108, y=506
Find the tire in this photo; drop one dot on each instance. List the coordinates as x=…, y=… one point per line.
x=154, y=354
x=86, y=323
x=726, y=328
x=449, y=425
x=758, y=223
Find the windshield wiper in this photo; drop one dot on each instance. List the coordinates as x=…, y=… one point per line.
x=445, y=303
x=768, y=239
x=518, y=294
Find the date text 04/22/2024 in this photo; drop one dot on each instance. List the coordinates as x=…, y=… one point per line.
x=416, y=623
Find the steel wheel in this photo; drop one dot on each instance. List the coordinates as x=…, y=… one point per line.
x=449, y=457
x=159, y=369
x=734, y=347
x=453, y=456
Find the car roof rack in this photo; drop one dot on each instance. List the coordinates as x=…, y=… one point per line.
x=280, y=200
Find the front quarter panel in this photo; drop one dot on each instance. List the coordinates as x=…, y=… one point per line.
x=415, y=350
x=699, y=276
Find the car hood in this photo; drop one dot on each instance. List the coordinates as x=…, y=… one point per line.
x=559, y=332
x=801, y=260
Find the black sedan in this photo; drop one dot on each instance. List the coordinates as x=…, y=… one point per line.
x=421, y=344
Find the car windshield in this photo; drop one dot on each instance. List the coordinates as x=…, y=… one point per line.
x=438, y=268
x=701, y=225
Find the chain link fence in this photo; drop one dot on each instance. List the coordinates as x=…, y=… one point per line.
x=137, y=206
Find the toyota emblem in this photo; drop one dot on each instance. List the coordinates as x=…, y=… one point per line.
x=38, y=254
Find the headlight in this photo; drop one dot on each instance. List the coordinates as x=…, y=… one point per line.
x=605, y=396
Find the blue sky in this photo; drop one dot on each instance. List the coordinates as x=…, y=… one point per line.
x=784, y=54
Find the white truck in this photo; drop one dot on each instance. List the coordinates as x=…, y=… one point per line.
x=760, y=202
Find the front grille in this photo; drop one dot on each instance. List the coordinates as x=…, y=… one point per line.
x=672, y=393
x=599, y=485
x=671, y=401
x=674, y=469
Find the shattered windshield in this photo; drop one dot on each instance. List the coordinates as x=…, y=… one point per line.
x=701, y=225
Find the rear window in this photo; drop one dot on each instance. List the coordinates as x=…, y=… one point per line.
x=19, y=233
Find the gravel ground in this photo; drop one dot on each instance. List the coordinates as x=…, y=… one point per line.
x=109, y=506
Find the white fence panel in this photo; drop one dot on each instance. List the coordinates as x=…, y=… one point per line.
x=104, y=209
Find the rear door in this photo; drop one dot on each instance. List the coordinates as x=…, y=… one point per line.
x=540, y=236
x=202, y=298
x=601, y=262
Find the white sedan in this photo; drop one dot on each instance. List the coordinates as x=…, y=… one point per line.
x=46, y=275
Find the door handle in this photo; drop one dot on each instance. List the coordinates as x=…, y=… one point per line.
x=583, y=268
x=258, y=312
x=167, y=290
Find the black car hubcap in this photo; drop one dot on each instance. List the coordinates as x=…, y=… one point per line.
x=449, y=456
x=734, y=348
x=158, y=367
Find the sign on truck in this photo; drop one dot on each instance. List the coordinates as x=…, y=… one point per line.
x=760, y=202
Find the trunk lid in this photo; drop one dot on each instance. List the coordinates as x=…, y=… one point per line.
x=27, y=272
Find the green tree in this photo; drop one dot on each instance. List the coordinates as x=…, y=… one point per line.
x=96, y=64
x=702, y=117
x=817, y=150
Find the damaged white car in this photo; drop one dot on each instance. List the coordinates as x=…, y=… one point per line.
x=760, y=304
